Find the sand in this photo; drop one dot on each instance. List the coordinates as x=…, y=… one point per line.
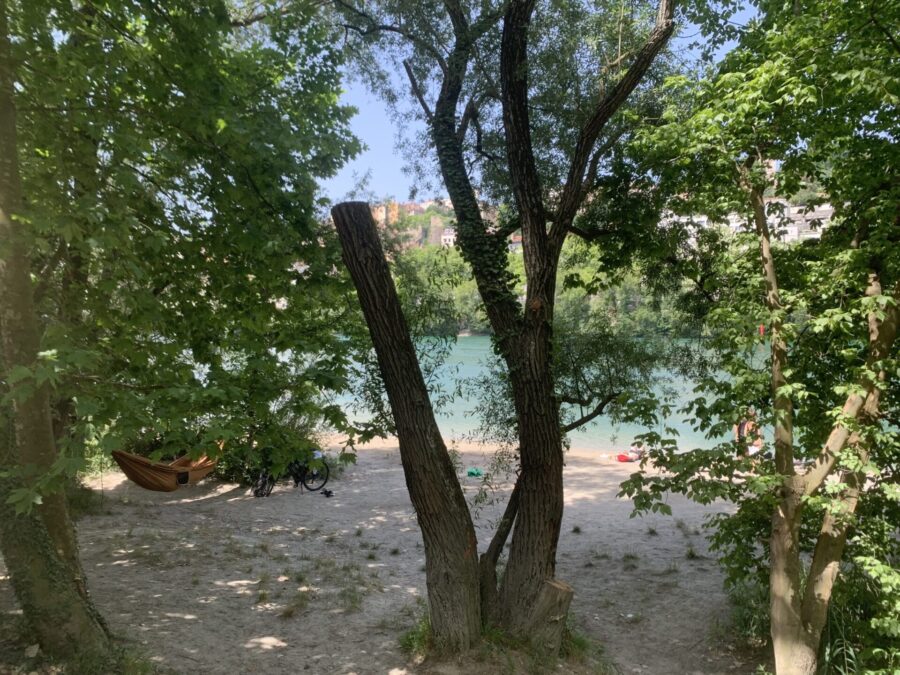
x=211, y=580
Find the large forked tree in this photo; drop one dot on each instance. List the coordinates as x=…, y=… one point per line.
x=483, y=131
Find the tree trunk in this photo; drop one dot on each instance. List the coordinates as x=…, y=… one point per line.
x=532, y=555
x=451, y=549
x=64, y=623
x=785, y=602
x=33, y=447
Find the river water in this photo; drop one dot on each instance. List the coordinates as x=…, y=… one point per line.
x=457, y=418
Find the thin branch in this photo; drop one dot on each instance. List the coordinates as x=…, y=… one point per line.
x=572, y=192
x=251, y=19
x=487, y=563
x=479, y=143
x=94, y=379
x=882, y=335
x=417, y=90
x=884, y=30
x=590, y=178
x=508, y=229
x=596, y=412
x=45, y=275
x=470, y=112
x=376, y=27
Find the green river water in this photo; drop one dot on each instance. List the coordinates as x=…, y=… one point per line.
x=457, y=417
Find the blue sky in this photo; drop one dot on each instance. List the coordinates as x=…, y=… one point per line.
x=381, y=159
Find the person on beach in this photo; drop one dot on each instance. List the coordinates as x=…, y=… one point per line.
x=635, y=453
x=747, y=434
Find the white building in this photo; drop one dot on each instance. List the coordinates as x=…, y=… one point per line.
x=448, y=236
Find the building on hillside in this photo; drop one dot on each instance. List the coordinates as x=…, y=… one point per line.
x=515, y=242
x=392, y=212
x=448, y=236
x=787, y=222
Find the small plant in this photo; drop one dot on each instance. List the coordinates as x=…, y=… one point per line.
x=417, y=640
x=358, y=532
x=298, y=603
x=371, y=555
x=672, y=568
x=576, y=530
x=351, y=598
x=575, y=645
x=262, y=598
x=692, y=553
x=651, y=531
x=395, y=551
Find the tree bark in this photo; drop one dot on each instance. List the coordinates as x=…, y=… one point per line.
x=451, y=549
x=64, y=622
x=34, y=448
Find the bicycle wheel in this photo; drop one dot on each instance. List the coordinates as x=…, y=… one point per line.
x=314, y=478
x=264, y=485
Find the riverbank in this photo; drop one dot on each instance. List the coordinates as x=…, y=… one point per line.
x=300, y=581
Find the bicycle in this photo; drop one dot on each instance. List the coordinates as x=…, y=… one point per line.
x=313, y=478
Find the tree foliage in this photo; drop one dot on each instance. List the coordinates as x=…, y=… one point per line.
x=170, y=157
x=808, y=97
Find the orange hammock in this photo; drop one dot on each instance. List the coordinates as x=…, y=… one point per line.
x=160, y=476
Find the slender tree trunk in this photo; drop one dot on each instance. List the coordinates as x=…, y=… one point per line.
x=34, y=448
x=824, y=567
x=797, y=617
x=451, y=549
x=785, y=601
x=532, y=556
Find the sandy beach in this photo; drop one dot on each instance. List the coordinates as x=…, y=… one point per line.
x=211, y=580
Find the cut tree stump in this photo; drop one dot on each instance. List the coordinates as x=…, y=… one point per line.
x=547, y=624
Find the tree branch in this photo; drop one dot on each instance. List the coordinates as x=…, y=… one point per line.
x=523, y=171
x=883, y=30
x=572, y=192
x=375, y=27
x=250, y=19
x=487, y=563
x=417, y=90
x=596, y=412
x=469, y=114
x=590, y=177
